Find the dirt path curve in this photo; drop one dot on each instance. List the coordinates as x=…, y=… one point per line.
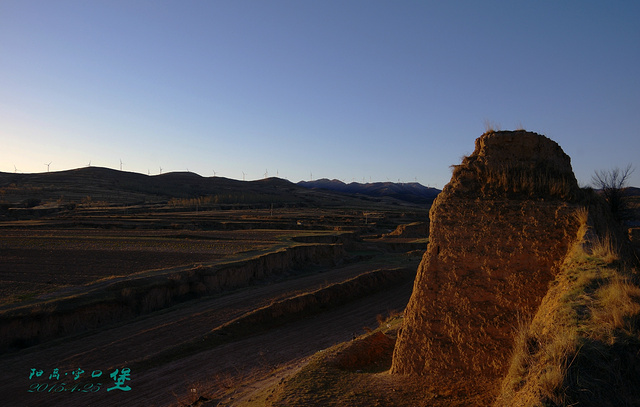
x=219, y=368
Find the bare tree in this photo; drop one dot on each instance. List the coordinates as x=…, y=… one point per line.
x=613, y=184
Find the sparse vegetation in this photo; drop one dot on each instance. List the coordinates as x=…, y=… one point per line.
x=581, y=346
x=613, y=184
x=491, y=126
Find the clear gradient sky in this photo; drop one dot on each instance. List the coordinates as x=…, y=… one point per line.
x=352, y=90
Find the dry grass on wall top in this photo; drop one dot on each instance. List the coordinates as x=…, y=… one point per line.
x=583, y=345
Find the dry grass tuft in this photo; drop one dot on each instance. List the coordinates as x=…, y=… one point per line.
x=616, y=309
x=605, y=250
x=491, y=127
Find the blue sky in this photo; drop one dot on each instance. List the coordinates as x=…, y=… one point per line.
x=353, y=90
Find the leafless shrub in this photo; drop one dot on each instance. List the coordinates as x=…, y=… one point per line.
x=613, y=186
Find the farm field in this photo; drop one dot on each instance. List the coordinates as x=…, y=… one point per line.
x=331, y=273
x=42, y=255
x=40, y=261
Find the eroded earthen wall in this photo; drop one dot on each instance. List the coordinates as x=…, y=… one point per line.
x=492, y=252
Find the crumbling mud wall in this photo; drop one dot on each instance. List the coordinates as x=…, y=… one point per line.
x=499, y=232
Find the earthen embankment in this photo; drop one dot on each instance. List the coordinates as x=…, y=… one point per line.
x=499, y=232
x=124, y=298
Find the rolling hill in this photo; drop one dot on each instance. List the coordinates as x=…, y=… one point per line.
x=115, y=187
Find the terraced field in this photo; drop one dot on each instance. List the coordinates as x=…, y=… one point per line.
x=192, y=311
x=40, y=261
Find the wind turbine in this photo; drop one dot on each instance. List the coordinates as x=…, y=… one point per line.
x=243, y=175
x=48, y=165
x=89, y=164
x=160, y=170
x=15, y=169
x=214, y=173
x=121, y=164
x=266, y=174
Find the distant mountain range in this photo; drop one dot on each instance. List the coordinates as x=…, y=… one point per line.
x=122, y=187
x=409, y=192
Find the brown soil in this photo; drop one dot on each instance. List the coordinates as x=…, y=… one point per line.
x=354, y=374
x=210, y=372
x=42, y=261
x=49, y=250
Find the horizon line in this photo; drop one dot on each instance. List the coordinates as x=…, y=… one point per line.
x=214, y=176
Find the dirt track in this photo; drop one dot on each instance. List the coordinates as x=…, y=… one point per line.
x=208, y=372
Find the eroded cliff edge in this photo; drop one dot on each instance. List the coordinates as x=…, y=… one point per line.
x=499, y=232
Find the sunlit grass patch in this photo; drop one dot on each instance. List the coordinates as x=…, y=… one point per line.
x=579, y=347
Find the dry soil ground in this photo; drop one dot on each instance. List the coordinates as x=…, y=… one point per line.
x=209, y=372
x=35, y=257
x=40, y=260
